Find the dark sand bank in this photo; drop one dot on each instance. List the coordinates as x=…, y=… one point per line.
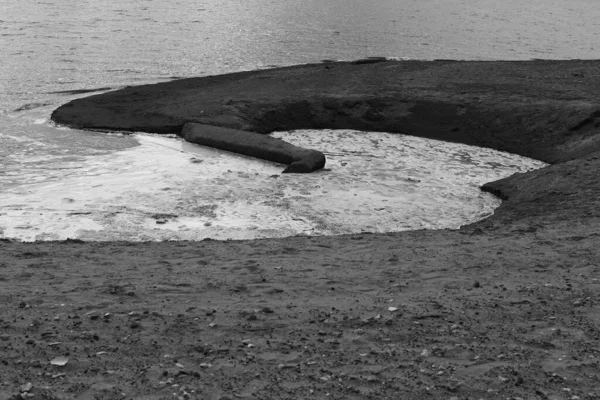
x=530, y=108
x=503, y=308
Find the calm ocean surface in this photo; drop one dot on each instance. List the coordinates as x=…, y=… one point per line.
x=51, y=47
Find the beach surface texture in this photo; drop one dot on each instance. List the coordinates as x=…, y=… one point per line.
x=503, y=308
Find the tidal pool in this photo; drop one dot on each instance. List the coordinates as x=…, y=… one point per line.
x=168, y=189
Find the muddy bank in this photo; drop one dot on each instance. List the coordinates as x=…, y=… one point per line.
x=504, y=308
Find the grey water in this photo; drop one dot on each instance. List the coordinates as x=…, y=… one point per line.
x=51, y=45
x=52, y=48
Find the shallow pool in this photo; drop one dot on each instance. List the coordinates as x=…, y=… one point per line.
x=168, y=189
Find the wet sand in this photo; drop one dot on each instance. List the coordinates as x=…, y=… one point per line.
x=502, y=308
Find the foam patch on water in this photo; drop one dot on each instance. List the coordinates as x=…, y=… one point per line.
x=168, y=189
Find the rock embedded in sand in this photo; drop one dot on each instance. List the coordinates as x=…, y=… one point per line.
x=60, y=361
x=298, y=159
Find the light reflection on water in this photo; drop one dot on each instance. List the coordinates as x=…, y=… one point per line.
x=58, y=45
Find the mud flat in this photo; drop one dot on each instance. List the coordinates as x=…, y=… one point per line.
x=503, y=308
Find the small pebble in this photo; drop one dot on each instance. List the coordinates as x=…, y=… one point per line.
x=26, y=387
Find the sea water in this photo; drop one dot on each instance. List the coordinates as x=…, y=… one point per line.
x=57, y=183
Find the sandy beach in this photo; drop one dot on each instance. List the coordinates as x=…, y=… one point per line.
x=503, y=308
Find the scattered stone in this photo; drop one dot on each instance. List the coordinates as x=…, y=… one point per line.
x=60, y=361
x=167, y=382
x=26, y=387
x=372, y=320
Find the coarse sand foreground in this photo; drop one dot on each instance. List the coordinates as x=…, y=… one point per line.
x=504, y=308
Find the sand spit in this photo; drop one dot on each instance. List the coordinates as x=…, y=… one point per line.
x=503, y=308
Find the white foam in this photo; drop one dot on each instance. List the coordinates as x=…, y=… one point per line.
x=168, y=189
